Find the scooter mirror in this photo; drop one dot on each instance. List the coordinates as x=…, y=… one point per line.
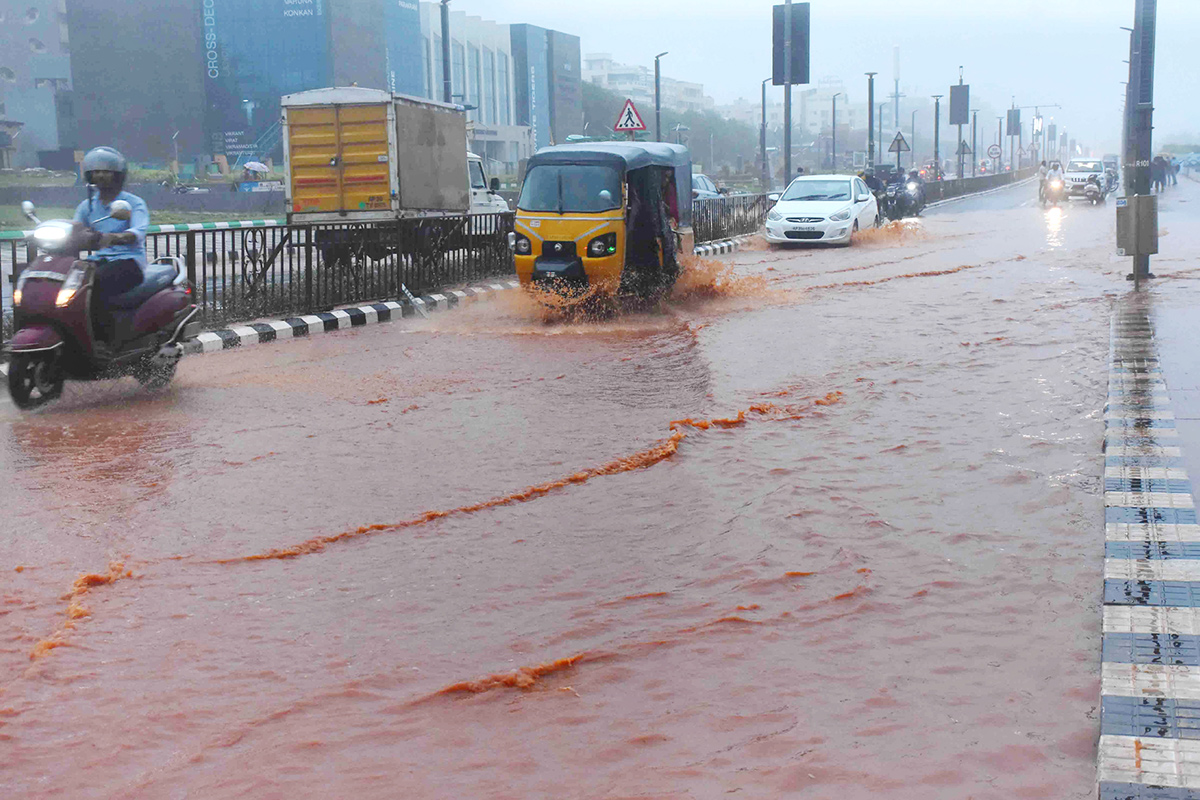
x=120, y=210
x=28, y=210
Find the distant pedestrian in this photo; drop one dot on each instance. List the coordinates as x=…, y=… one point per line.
x=1158, y=174
x=1173, y=171
x=799, y=170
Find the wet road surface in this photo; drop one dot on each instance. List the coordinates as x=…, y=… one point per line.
x=828, y=525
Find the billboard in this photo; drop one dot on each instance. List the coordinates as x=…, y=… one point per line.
x=405, y=61
x=255, y=51
x=800, y=44
x=960, y=104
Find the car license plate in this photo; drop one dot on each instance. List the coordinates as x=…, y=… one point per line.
x=805, y=228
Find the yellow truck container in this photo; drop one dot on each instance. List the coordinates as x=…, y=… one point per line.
x=360, y=155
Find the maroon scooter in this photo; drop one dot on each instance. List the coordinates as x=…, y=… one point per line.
x=52, y=309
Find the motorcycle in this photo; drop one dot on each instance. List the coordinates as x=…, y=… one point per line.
x=903, y=200
x=52, y=307
x=1093, y=192
x=1054, y=192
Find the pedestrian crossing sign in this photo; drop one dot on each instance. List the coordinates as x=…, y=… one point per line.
x=630, y=120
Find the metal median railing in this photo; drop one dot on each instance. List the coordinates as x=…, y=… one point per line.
x=243, y=271
x=732, y=215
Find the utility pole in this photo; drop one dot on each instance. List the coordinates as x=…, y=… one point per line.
x=958, y=144
x=880, y=124
x=658, y=100
x=937, y=134
x=1140, y=116
x=896, y=74
x=1000, y=143
x=446, y=90
x=833, y=135
x=974, y=141
x=762, y=139
x=787, y=92
x=871, y=120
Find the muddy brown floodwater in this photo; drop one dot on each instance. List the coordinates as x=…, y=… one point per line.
x=826, y=526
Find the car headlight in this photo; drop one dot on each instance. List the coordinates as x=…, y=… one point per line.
x=840, y=216
x=523, y=247
x=774, y=215
x=69, y=288
x=602, y=246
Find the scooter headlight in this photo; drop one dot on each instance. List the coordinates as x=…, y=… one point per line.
x=1056, y=184
x=69, y=288
x=912, y=186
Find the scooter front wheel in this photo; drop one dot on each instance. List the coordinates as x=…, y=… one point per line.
x=34, y=380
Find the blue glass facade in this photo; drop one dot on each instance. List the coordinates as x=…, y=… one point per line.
x=531, y=81
x=255, y=51
x=406, y=61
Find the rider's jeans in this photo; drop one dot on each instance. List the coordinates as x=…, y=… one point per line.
x=113, y=278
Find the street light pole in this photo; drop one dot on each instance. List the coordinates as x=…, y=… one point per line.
x=870, y=121
x=880, y=124
x=974, y=140
x=446, y=90
x=912, y=134
x=787, y=92
x=762, y=139
x=657, y=99
x=937, y=133
x=833, y=135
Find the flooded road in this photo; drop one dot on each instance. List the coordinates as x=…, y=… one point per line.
x=828, y=525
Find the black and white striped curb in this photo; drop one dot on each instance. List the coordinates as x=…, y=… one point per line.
x=265, y=331
x=1150, y=683
x=723, y=246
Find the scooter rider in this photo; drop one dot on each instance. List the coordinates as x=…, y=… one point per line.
x=119, y=245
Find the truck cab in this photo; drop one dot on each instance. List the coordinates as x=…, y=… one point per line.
x=484, y=199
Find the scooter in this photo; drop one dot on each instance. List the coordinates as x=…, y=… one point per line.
x=1093, y=192
x=1053, y=194
x=903, y=200
x=52, y=307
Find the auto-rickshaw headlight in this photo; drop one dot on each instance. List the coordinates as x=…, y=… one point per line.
x=602, y=246
x=523, y=247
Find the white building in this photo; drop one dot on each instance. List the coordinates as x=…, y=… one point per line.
x=481, y=77
x=637, y=83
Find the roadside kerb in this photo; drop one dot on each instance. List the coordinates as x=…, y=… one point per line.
x=723, y=246
x=1150, y=681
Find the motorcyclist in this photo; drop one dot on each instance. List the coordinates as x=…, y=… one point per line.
x=873, y=183
x=1056, y=171
x=119, y=250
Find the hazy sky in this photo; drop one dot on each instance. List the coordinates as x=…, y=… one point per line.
x=1069, y=52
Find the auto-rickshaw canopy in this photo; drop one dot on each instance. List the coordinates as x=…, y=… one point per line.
x=626, y=157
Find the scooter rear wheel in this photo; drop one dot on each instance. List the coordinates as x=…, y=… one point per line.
x=34, y=380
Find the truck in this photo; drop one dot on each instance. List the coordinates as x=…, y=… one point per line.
x=354, y=154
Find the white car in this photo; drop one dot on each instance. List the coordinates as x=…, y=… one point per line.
x=822, y=208
x=1078, y=171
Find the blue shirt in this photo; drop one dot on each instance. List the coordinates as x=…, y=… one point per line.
x=137, y=224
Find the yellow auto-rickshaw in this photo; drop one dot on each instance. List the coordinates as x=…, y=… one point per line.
x=604, y=219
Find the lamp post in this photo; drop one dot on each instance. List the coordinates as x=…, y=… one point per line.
x=1000, y=143
x=762, y=139
x=657, y=99
x=446, y=90
x=880, y=124
x=937, y=133
x=833, y=134
x=912, y=128
x=974, y=141
x=871, y=122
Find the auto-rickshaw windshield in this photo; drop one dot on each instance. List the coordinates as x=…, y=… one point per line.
x=571, y=188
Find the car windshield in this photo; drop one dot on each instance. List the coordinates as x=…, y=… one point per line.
x=1085, y=166
x=571, y=188
x=818, y=190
